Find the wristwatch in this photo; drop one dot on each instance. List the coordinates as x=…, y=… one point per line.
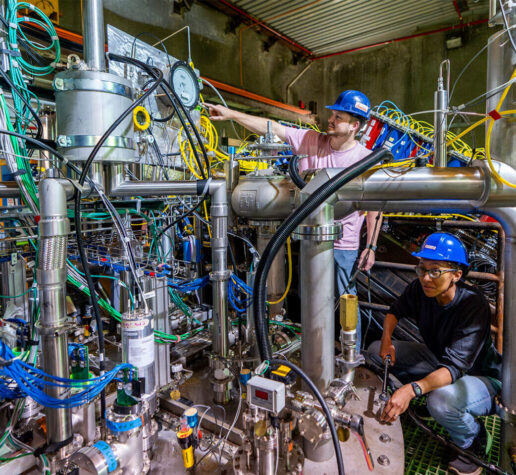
x=417, y=389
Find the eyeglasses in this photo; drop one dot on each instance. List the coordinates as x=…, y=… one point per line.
x=433, y=273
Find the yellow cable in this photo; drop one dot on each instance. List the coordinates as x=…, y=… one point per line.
x=289, y=281
x=428, y=216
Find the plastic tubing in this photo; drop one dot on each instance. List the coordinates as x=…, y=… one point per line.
x=318, y=197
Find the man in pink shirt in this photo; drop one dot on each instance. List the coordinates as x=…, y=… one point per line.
x=337, y=148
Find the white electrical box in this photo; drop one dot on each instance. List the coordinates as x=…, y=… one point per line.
x=266, y=394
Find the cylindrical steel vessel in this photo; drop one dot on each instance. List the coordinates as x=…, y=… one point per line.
x=263, y=197
x=138, y=346
x=276, y=277
x=87, y=104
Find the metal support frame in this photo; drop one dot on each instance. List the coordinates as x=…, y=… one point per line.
x=219, y=212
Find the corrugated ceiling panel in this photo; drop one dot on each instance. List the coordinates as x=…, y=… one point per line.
x=326, y=26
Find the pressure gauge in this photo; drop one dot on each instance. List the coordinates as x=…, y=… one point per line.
x=185, y=84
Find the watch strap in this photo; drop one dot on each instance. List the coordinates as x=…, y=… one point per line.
x=417, y=389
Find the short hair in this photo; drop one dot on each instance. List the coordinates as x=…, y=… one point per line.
x=361, y=121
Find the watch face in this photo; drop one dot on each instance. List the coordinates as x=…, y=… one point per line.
x=417, y=389
x=184, y=82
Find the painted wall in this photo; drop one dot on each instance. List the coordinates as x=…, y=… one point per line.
x=404, y=72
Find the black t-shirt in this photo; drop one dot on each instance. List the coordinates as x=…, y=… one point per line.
x=459, y=334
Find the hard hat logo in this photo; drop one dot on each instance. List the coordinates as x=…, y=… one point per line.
x=362, y=107
x=353, y=102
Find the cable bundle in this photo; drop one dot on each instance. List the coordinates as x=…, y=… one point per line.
x=236, y=288
x=19, y=379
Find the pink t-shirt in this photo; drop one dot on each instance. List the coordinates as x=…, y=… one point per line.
x=321, y=155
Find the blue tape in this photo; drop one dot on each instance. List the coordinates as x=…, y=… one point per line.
x=123, y=426
x=109, y=456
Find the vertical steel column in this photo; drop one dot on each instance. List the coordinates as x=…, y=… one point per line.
x=93, y=34
x=507, y=402
x=48, y=119
x=317, y=285
x=440, y=120
x=220, y=273
x=54, y=228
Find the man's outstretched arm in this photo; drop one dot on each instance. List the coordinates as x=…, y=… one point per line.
x=258, y=125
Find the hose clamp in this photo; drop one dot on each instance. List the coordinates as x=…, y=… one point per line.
x=69, y=141
x=220, y=276
x=327, y=232
x=86, y=84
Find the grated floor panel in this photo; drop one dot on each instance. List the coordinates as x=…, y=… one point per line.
x=426, y=456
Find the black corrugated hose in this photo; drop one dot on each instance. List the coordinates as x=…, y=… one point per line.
x=294, y=173
x=276, y=243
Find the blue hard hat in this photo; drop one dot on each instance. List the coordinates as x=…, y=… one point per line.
x=352, y=102
x=443, y=247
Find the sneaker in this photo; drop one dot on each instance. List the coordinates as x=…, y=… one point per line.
x=462, y=465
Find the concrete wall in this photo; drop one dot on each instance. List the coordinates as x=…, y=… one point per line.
x=404, y=72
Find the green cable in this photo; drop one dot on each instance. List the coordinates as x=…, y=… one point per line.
x=159, y=336
x=14, y=296
x=122, y=283
x=44, y=23
x=178, y=301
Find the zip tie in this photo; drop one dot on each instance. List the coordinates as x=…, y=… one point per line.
x=13, y=25
x=53, y=64
x=54, y=38
x=32, y=7
x=495, y=115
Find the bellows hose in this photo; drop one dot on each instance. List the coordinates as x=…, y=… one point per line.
x=318, y=197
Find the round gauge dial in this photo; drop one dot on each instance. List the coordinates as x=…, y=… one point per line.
x=185, y=84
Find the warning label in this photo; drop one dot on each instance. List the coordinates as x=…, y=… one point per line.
x=140, y=352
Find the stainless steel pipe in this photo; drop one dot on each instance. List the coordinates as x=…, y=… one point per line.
x=54, y=228
x=93, y=34
x=507, y=405
x=219, y=273
x=9, y=189
x=317, y=289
